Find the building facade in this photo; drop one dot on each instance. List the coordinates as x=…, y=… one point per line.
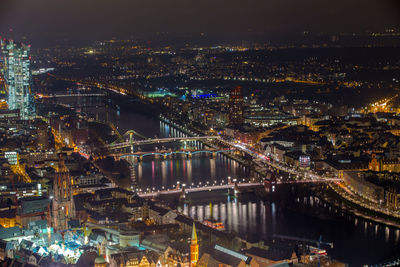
x=194, y=248
x=18, y=77
x=236, y=106
x=63, y=205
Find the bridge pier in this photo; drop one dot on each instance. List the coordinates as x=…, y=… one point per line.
x=270, y=186
x=182, y=196
x=236, y=190
x=232, y=193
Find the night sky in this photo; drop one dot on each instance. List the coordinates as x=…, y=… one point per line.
x=85, y=19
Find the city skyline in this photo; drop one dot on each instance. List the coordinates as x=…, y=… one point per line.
x=173, y=133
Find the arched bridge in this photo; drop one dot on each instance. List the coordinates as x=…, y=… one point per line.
x=167, y=153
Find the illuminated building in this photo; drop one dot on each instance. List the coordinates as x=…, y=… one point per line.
x=194, y=248
x=374, y=163
x=390, y=165
x=392, y=198
x=236, y=106
x=8, y=217
x=18, y=78
x=63, y=208
x=8, y=115
x=21, y=190
x=12, y=157
x=384, y=164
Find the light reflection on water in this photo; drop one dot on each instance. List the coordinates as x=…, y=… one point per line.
x=356, y=241
x=199, y=169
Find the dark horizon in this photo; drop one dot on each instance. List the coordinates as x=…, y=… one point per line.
x=45, y=20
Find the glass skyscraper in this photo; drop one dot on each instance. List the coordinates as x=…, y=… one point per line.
x=18, y=77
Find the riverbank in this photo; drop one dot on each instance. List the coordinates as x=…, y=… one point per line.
x=349, y=206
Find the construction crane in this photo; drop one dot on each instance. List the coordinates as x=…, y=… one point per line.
x=318, y=242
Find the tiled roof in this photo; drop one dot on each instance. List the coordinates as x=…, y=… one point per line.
x=10, y=232
x=160, y=210
x=271, y=254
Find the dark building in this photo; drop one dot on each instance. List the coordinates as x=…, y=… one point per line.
x=45, y=138
x=236, y=106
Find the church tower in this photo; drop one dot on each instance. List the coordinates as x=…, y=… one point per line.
x=194, y=248
x=63, y=206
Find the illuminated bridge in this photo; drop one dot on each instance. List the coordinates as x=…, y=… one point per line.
x=69, y=95
x=168, y=153
x=183, y=189
x=234, y=186
x=160, y=140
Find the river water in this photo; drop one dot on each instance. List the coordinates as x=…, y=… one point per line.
x=356, y=241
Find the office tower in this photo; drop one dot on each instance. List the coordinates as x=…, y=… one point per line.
x=18, y=77
x=236, y=106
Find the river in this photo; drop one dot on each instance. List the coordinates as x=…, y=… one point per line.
x=356, y=241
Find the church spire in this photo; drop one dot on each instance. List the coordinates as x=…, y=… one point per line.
x=194, y=248
x=194, y=234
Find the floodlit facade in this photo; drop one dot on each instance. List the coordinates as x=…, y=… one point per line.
x=18, y=77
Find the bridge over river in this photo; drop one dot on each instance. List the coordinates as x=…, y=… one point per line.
x=181, y=190
x=165, y=154
x=124, y=145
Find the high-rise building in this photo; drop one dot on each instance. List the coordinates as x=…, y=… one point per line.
x=194, y=248
x=236, y=106
x=18, y=77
